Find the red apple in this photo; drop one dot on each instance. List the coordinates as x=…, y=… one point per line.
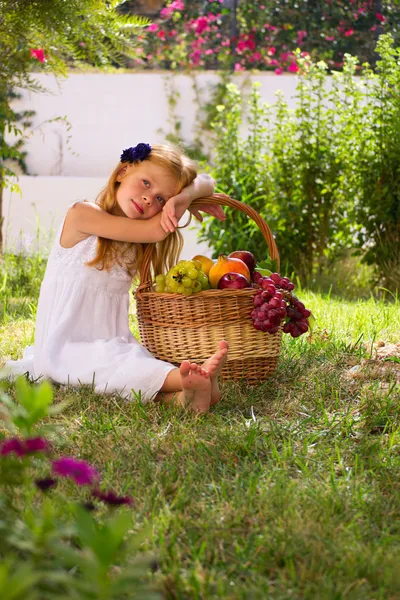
x=233, y=281
x=247, y=257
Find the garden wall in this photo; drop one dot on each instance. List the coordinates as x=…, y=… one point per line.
x=106, y=113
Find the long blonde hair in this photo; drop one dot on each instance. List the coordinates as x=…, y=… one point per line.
x=164, y=254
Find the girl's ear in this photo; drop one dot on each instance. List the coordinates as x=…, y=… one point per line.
x=122, y=173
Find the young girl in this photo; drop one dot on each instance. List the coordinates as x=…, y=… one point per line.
x=82, y=333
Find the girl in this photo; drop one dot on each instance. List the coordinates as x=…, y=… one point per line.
x=82, y=334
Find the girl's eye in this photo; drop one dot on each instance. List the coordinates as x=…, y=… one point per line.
x=160, y=199
x=146, y=183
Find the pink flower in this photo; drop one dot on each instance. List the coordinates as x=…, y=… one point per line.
x=293, y=68
x=161, y=34
x=278, y=71
x=38, y=54
x=349, y=32
x=271, y=51
x=300, y=36
x=380, y=17
x=23, y=447
x=274, y=62
x=112, y=498
x=153, y=27
x=209, y=51
x=78, y=470
x=330, y=38
x=239, y=67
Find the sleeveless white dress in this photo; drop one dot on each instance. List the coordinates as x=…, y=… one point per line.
x=82, y=333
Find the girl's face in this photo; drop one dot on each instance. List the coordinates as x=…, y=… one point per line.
x=144, y=189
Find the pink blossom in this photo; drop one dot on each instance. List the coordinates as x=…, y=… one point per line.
x=38, y=54
x=238, y=67
x=24, y=446
x=380, y=17
x=293, y=67
x=271, y=51
x=279, y=71
x=274, y=62
x=161, y=34
x=330, y=38
x=153, y=27
x=300, y=36
x=79, y=470
x=349, y=32
x=149, y=57
x=209, y=51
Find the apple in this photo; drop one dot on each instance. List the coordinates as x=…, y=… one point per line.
x=233, y=281
x=247, y=257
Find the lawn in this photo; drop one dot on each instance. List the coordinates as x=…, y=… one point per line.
x=285, y=490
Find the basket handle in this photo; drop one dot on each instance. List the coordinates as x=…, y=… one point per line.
x=222, y=200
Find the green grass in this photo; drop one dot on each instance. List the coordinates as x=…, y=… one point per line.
x=285, y=490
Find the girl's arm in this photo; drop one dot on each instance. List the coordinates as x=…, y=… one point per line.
x=89, y=219
x=173, y=210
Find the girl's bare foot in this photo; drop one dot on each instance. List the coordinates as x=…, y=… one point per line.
x=196, y=387
x=214, y=366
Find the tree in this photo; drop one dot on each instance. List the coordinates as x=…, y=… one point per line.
x=53, y=35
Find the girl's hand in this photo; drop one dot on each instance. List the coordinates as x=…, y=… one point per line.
x=173, y=210
x=214, y=210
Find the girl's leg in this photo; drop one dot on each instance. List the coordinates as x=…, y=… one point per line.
x=173, y=388
x=195, y=387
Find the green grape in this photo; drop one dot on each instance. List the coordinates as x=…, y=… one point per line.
x=174, y=286
x=187, y=292
x=205, y=285
x=196, y=286
x=193, y=273
x=160, y=288
x=160, y=278
x=180, y=289
x=191, y=264
x=197, y=265
x=187, y=282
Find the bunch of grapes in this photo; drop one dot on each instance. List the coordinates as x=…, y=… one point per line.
x=186, y=278
x=274, y=302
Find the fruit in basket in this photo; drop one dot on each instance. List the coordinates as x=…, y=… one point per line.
x=206, y=263
x=274, y=303
x=185, y=278
x=247, y=257
x=225, y=265
x=233, y=281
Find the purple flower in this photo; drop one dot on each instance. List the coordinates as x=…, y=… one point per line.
x=136, y=153
x=46, y=483
x=111, y=498
x=78, y=470
x=23, y=447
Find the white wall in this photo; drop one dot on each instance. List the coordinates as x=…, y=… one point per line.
x=32, y=218
x=106, y=113
x=109, y=112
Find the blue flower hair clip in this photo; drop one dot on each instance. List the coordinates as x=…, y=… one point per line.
x=139, y=152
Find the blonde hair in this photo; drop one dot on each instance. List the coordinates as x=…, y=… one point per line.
x=164, y=254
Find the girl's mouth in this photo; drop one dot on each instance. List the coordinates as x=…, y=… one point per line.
x=140, y=210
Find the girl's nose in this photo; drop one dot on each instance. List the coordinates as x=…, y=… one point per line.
x=147, y=199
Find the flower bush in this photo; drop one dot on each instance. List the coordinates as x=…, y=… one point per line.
x=51, y=544
x=199, y=34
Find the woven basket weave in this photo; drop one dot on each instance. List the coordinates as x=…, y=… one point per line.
x=174, y=327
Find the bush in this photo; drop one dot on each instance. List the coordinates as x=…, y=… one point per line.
x=199, y=34
x=324, y=176
x=51, y=546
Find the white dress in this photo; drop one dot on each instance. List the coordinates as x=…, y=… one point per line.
x=82, y=332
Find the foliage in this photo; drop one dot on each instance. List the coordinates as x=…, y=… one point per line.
x=54, y=35
x=308, y=171
x=51, y=546
x=203, y=34
x=378, y=171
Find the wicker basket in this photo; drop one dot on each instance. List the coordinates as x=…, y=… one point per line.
x=175, y=327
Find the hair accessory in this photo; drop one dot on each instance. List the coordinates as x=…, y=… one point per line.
x=139, y=152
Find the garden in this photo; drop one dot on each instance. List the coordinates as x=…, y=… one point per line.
x=289, y=486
